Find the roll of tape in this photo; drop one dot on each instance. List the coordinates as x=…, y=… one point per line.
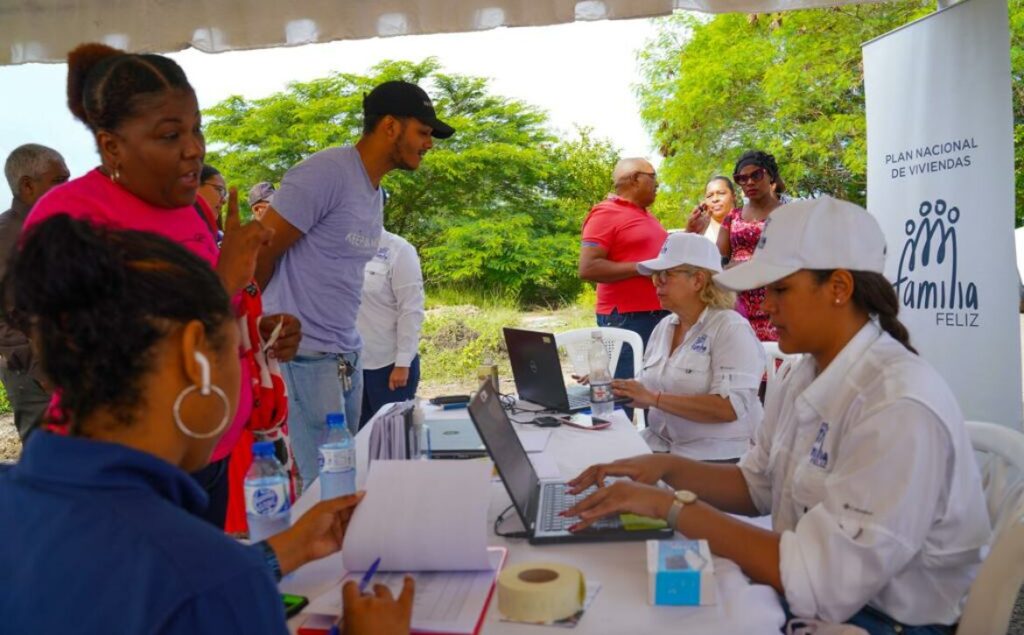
x=540, y=591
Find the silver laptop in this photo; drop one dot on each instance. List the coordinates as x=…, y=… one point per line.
x=454, y=439
x=537, y=503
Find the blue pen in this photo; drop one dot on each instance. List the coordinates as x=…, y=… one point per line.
x=368, y=576
x=455, y=406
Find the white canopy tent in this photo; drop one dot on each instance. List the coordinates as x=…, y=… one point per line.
x=44, y=30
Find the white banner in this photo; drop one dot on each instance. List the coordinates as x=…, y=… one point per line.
x=940, y=182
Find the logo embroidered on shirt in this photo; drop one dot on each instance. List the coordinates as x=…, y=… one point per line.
x=819, y=456
x=700, y=345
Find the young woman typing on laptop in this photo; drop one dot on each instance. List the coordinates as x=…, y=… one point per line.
x=703, y=363
x=862, y=459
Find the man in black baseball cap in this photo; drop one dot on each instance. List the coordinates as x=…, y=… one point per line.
x=327, y=217
x=402, y=99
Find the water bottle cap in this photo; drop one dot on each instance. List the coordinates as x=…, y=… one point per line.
x=336, y=420
x=263, y=448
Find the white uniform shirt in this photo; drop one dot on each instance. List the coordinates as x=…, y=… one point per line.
x=391, y=313
x=869, y=475
x=720, y=355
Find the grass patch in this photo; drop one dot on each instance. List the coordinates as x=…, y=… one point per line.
x=457, y=338
x=5, y=404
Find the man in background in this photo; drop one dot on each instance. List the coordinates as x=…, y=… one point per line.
x=618, y=233
x=260, y=196
x=31, y=171
x=327, y=219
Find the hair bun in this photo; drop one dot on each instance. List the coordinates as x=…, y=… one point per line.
x=81, y=60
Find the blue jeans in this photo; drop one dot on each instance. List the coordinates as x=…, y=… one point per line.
x=876, y=622
x=376, y=392
x=314, y=391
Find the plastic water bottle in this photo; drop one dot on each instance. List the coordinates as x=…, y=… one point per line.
x=267, y=503
x=337, y=459
x=602, y=400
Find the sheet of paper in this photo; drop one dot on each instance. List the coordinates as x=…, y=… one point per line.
x=421, y=516
x=534, y=440
x=545, y=465
x=445, y=601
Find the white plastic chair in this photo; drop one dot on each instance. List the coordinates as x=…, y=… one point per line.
x=990, y=601
x=577, y=341
x=773, y=370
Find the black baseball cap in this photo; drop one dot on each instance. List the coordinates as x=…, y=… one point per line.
x=403, y=99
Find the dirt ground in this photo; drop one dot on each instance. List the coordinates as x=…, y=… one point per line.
x=10, y=446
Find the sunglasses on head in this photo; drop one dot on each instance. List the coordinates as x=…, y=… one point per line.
x=752, y=177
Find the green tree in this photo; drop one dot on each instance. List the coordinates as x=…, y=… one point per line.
x=497, y=207
x=791, y=84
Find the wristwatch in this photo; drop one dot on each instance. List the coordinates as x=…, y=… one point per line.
x=682, y=497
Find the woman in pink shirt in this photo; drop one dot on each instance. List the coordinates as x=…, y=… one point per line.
x=145, y=118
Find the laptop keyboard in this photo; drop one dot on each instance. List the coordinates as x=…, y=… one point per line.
x=557, y=499
x=578, y=402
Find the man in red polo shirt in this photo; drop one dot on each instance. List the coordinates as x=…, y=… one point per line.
x=618, y=233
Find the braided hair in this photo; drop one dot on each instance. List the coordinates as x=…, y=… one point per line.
x=107, y=86
x=98, y=301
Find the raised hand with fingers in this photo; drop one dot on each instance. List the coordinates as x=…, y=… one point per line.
x=379, y=613
x=241, y=245
x=699, y=220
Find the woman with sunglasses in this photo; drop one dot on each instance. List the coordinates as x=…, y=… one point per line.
x=703, y=363
x=758, y=174
x=214, y=191
x=862, y=459
x=719, y=199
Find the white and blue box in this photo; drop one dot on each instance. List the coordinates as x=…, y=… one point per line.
x=680, y=573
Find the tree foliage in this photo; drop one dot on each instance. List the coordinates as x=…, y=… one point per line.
x=791, y=84
x=497, y=206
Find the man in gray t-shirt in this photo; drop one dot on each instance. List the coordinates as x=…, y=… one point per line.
x=327, y=218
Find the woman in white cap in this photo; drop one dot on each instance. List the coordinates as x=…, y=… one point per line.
x=862, y=459
x=703, y=364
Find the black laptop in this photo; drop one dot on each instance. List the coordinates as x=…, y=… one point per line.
x=538, y=503
x=537, y=371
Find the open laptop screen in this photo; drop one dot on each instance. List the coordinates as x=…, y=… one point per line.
x=507, y=451
x=536, y=368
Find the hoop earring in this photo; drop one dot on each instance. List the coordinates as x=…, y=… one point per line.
x=115, y=175
x=181, y=424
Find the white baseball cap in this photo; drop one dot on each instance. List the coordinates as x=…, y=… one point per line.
x=682, y=248
x=819, y=233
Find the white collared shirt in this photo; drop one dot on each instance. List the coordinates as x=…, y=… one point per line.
x=719, y=355
x=391, y=313
x=869, y=475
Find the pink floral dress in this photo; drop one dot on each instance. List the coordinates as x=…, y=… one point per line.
x=743, y=237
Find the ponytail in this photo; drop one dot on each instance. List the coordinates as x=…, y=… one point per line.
x=873, y=294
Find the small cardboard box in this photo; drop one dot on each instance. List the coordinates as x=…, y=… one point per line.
x=680, y=573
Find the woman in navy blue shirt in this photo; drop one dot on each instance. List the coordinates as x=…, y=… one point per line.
x=98, y=529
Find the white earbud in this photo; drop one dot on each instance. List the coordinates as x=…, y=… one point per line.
x=204, y=369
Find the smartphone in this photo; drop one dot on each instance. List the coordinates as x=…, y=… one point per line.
x=587, y=422
x=293, y=604
x=547, y=421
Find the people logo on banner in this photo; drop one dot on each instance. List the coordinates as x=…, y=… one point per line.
x=928, y=277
